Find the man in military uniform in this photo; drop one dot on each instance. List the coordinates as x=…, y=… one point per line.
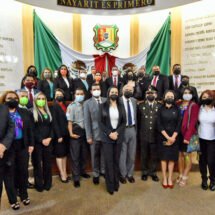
x=147, y=113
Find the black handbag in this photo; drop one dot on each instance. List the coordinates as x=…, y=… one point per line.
x=77, y=129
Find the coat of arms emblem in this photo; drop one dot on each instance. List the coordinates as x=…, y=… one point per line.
x=106, y=37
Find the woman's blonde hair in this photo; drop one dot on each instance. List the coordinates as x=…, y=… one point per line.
x=36, y=111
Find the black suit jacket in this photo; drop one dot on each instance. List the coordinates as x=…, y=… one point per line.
x=105, y=123
x=68, y=91
x=162, y=85
x=172, y=86
x=141, y=87
x=90, y=79
x=79, y=84
x=60, y=123
x=43, y=86
x=109, y=83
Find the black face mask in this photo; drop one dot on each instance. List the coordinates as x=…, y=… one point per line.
x=60, y=99
x=33, y=72
x=140, y=75
x=185, y=82
x=169, y=101
x=207, y=101
x=130, y=77
x=128, y=94
x=177, y=71
x=150, y=98
x=12, y=103
x=156, y=72
x=113, y=97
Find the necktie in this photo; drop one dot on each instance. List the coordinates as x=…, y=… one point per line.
x=176, y=82
x=129, y=114
x=114, y=81
x=154, y=83
x=85, y=84
x=31, y=96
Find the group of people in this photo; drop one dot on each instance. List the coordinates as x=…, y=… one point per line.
x=70, y=117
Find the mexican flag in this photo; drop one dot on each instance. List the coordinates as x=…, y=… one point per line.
x=50, y=52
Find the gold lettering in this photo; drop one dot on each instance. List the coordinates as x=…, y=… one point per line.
x=120, y=5
x=74, y=3
x=125, y=4
x=86, y=4
x=143, y=3
x=137, y=3
x=62, y=2
x=96, y=4
x=130, y=4
x=103, y=5
x=91, y=4
x=79, y=4
x=114, y=4
x=108, y=4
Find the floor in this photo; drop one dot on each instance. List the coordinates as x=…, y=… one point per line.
x=141, y=198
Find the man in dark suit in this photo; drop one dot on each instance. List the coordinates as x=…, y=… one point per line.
x=147, y=115
x=175, y=79
x=91, y=77
x=115, y=79
x=82, y=82
x=159, y=81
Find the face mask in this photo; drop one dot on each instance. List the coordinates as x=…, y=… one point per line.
x=114, y=97
x=187, y=97
x=169, y=101
x=33, y=73
x=156, y=72
x=98, y=78
x=114, y=72
x=23, y=101
x=12, y=103
x=96, y=93
x=177, y=71
x=63, y=72
x=207, y=101
x=150, y=98
x=47, y=75
x=60, y=99
x=130, y=77
x=128, y=94
x=40, y=103
x=79, y=98
x=185, y=82
x=29, y=85
x=140, y=75
x=83, y=75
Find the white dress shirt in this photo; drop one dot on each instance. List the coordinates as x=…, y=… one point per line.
x=179, y=80
x=114, y=116
x=66, y=81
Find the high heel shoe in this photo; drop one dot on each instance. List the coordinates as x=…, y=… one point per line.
x=15, y=206
x=165, y=186
x=171, y=186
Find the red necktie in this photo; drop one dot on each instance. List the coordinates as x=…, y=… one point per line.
x=154, y=83
x=31, y=96
x=114, y=81
x=176, y=82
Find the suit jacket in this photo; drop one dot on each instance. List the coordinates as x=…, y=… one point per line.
x=44, y=87
x=91, y=118
x=78, y=83
x=109, y=83
x=172, y=86
x=162, y=85
x=68, y=91
x=34, y=92
x=90, y=79
x=189, y=130
x=106, y=126
x=60, y=123
x=141, y=87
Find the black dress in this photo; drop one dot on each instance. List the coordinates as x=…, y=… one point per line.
x=169, y=120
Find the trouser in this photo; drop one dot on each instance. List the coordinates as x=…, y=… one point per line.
x=78, y=152
x=128, y=152
x=7, y=176
x=111, y=155
x=148, y=158
x=21, y=168
x=207, y=159
x=97, y=158
x=42, y=160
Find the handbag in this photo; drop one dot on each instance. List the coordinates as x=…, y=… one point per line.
x=78, y=130
x=194, y=145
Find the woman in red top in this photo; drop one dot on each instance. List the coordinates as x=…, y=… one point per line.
x=189, y=112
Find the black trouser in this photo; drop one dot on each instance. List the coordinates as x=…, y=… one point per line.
x=207, y=159
x=148, y=158
x=7, y=176
x=21, y=168
x=42, y=160
x=111, y=155
x=79, y=154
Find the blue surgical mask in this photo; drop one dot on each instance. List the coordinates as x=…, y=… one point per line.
x=79, y=98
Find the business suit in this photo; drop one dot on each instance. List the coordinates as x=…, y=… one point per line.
x=90, y=79
x=93, y=131
x=141, y=87
x=43, y=86
x=109, y=83
x=162, y=85
x=78, y=83
x=128, y=151
x=68, y=90
x=147, y=128
x=34, y=91
x=112, y=148
x=6, y=165
x=172, y=84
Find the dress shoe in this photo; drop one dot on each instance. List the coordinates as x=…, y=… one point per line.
x=63, y=180
x=165, y=186
x=102, y=174
x=154, y=178
x=30, y=185
x=47, y=188
x=204, y=185
x=111, y=192
x=85, y=175
x=122, y=180
x=144, y=177
x=39, y=189
x=131, y=179
x=95, y=180
x=212, y=186
x=77, y=184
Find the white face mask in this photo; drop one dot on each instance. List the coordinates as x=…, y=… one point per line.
x=114, y=72
x=83, y=75
x=96, y=93
x=187, y=97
